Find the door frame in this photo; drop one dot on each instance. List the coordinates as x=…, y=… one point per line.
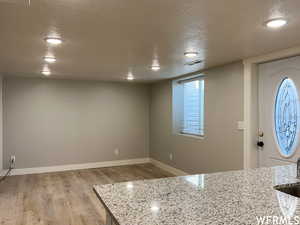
x=251, y=101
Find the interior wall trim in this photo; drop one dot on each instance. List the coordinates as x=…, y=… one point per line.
x=168, y=168
x=49, y=169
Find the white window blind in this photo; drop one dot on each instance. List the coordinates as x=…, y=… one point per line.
x=193, y=107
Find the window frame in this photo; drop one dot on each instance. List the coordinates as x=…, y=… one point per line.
x=178, y=106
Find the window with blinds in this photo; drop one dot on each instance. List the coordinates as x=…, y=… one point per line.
x=193, y=107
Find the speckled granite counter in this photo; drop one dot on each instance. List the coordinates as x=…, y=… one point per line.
x=236, y=197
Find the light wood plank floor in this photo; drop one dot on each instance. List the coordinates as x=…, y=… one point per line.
x=64, y=198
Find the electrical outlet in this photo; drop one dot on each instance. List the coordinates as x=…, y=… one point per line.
x=12, y=161
x=171, y=156
x=117, y=151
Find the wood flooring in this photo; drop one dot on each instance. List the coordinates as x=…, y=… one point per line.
x=64, y=198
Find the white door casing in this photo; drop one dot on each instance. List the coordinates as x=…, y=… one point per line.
x=270, y=76
x=251, y=100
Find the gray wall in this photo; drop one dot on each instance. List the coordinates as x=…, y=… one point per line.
x=222, y=147
x=1, y=125
x=56, y=122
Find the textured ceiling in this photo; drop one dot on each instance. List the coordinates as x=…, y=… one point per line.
x=106, y=39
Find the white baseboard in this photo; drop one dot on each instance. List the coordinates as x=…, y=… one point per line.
x=168, y=168
x=49, y=169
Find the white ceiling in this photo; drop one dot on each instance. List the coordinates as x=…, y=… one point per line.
x=105, y=39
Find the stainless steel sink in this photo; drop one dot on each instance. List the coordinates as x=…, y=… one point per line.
x=291, y=189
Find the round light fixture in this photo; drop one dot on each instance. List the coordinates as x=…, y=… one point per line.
x=276, y=23
x=53, y=40
x=46, y=72
x=50, y=59
x=191, y=54
x=155, y=67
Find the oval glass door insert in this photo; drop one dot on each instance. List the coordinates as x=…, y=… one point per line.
x=286, y=117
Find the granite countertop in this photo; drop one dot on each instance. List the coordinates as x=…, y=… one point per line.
x=235, y=197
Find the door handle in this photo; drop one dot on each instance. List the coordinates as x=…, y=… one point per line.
x=260, y=144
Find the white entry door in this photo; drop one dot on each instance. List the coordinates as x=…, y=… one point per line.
x=279, y=115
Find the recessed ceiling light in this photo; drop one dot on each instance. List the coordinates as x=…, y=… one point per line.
x=50, y=59
x=276, y=23
x=155, y=67
x=46, y=72
x=53, y=40
x=190, y=54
